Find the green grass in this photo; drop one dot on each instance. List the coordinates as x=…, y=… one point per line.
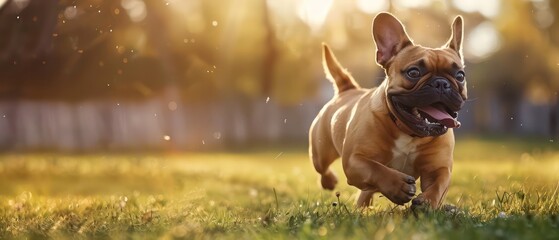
x=504, y=189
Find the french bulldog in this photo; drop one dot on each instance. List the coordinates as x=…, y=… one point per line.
x=402, y=130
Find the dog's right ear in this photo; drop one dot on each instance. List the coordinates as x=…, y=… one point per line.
x=455, y=41
x=390, y=37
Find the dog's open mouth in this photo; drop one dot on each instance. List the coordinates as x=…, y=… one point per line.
x=429, y=120
x=438, y=114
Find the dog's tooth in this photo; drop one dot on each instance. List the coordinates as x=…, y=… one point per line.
x=415, y=112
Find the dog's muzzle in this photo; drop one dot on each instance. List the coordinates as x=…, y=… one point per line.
x=430, y=110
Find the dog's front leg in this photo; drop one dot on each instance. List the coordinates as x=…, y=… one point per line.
x=370, y=175
x=434, y=185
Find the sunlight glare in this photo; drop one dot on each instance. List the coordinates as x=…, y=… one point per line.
x=368, y=6
x=136, y=9
x=543, y=13
x=412, y=3
x=314, y=12
x=482, y=41
x=21, y=4
x=488, y=8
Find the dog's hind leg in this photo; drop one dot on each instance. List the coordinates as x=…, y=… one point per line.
x=322, y=157
x=365, y=198
x=328, y=180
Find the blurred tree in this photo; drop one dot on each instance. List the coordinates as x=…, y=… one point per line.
x=270, y=55
x=90, y=49
x=524, y=67
x=27, y=26
x=553, y=29
x=238, y=53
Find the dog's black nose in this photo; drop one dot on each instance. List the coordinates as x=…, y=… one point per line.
x=442, y=84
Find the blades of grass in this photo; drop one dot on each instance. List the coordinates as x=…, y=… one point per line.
x=276, y=196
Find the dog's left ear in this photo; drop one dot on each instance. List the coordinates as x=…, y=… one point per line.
x=455, y=41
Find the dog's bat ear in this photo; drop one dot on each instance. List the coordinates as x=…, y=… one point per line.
x=455, y=41
x=390, y=37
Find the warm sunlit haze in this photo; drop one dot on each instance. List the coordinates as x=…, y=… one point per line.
x=113, y=75
x=189, y=119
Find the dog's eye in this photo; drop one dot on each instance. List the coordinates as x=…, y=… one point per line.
x=460, y=76
x=413, y=73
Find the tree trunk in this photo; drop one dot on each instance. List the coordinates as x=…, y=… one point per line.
x=270, y=52
x=158, y=33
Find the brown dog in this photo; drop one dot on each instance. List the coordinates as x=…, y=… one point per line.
x=391, y=135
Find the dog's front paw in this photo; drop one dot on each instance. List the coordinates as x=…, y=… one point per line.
x=403, y=191
x=420, y=204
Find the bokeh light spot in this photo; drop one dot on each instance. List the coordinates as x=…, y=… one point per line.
x=136, y=9
x=482, y=41
x=172, y=105
x=314, y=12
x=371, y=7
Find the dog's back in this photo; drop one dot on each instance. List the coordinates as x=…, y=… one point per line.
x=333, y=117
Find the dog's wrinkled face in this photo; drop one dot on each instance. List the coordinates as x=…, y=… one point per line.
x=426, y=86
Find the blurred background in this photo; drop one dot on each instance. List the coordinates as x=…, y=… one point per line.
x=211, y=74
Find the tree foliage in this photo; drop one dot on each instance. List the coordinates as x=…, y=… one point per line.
x=211, y=49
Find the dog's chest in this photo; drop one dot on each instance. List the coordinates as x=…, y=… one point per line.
x=404, y=153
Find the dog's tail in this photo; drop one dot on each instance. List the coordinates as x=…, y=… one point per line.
x=341, y=78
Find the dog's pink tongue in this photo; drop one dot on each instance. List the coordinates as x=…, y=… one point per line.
x=441, y=115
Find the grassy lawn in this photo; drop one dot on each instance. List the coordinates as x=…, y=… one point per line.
x=504, y=189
